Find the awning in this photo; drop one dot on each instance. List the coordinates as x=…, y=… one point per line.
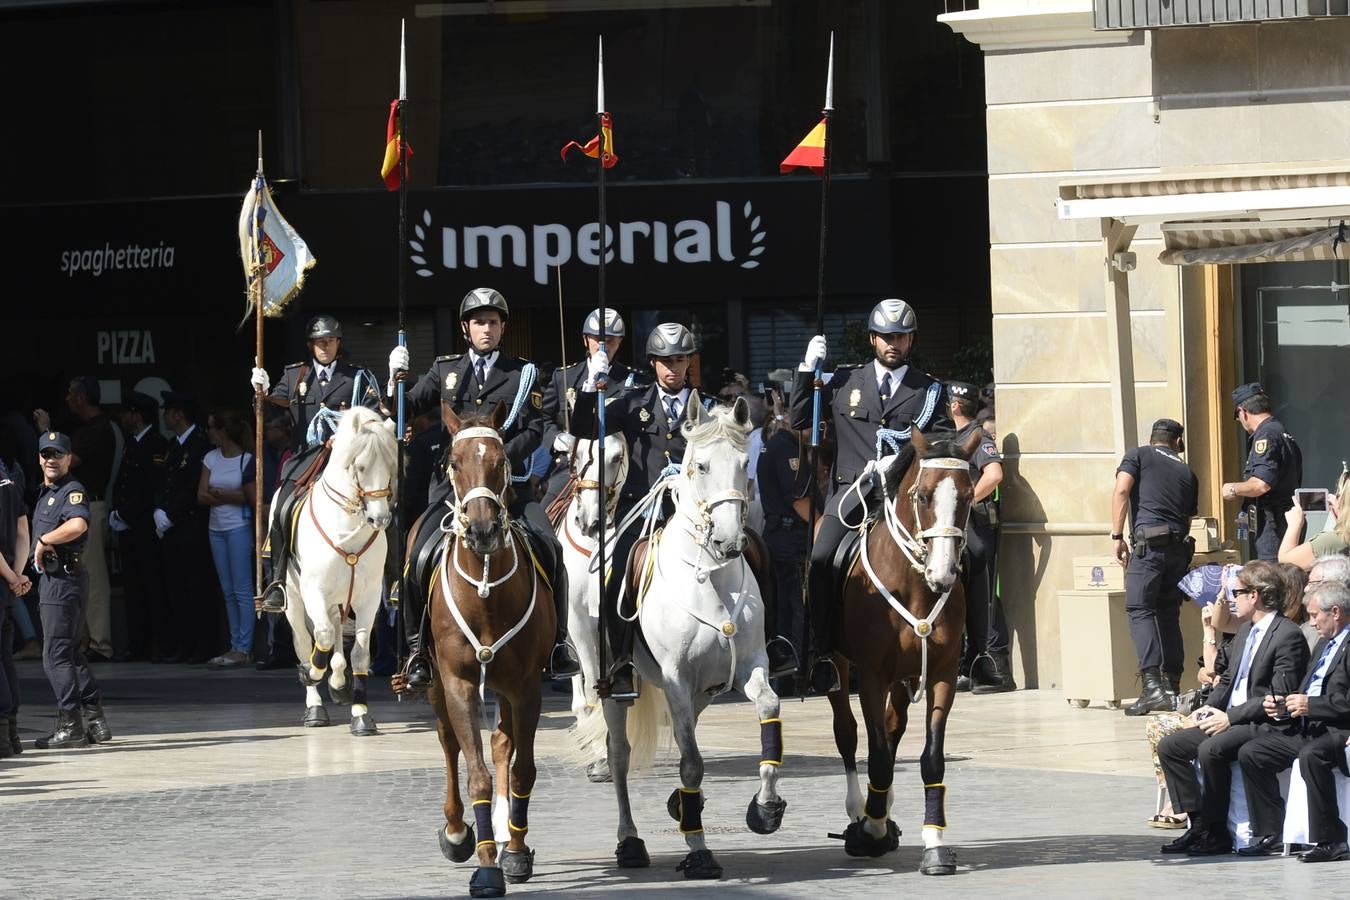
x=1191, y=246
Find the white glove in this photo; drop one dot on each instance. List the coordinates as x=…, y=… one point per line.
x=563, y=442
x=115, y=521
x=399, y=362
x=598, y=362
x=162, y=522
x=815, y=354
x=260, y=381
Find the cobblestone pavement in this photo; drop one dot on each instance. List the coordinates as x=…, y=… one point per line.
x=210, y=789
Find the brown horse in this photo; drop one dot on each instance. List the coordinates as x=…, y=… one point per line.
x=902, y=613
x=496, y=630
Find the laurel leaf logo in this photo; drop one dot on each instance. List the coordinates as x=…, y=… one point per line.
x=757, y=236
x=426, y=217
x=416, y=245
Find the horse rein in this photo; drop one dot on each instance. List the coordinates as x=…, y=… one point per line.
x=590, y=484
x=353, y=508
x=703, y=525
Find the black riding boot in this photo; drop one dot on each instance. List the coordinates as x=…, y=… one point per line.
x=69, y=732
x=999, y=668
x=824, y=675
x=562, y=662
x=1155, y=697
x=96, y=724
x=278, y=542
x=12, y=735
x=412, y=607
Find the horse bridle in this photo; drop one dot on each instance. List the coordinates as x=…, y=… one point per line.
x=915, y=547
x=590, y=484
x=357, y=504
x=705, y=505
x=459, y=518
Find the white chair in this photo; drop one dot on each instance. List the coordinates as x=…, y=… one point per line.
x=1239, y=821
x=1296, y=806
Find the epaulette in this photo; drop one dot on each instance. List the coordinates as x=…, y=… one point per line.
x=295, y=365
x=452, y=357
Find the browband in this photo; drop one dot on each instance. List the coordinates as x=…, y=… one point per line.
x=478, y=431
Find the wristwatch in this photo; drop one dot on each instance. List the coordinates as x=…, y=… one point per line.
x=1117, y=537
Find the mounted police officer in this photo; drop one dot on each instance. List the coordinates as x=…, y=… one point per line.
x=472, y=383
x=312, y=392
x=561, y=395
x=60, y=525
x=1274, y=470
x=886, y=397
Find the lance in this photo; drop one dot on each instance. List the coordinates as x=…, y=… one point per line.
x=258, y=273
x=602, y=378
x=818, y=383
x=401, y=286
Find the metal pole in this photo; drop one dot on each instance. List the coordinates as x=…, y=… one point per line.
x=258, y=273
x=602, y=684
x=401, y=286
x=562, y=354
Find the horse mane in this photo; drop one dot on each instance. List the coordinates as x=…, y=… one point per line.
x=361, y=431
x=719, y=424
x=941, y=444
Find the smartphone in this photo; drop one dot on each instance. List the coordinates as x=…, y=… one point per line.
x=1311, y=499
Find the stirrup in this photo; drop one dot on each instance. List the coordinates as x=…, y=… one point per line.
x=625, y=693
x=563, y=662
x=273, y=599
x=824, y=680
x=788, y=662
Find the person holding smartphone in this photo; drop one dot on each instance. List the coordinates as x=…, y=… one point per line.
x=1330, y=542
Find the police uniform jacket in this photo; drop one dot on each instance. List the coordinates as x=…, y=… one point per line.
x=856, y=412
x=1275, y=459
x=452, y=379
x=564, y=386
x=56, y=504
x=143, y=467
x=1276, y=668
x=1165, y=490
x=177, y=494
x=781, y=478
x=985, y=453
x=654, y=442
x=11, y=510
x=300, y=393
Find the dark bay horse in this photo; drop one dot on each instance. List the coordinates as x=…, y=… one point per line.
x=901, y=616
x=492, y=622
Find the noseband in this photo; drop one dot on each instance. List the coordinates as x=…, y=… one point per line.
x=356, y=504
x=704, y=505
x=458, y=515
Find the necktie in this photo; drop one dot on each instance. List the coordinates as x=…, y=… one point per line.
x=672, y=409
x=1319, y=671
x=480, y=369
x=885, y=387
x=1248, y=652
x=323, y=379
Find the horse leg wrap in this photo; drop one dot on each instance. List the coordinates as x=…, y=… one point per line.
x=519, y=819
x=359, y=688
x=875, y=807
x=934, y=806
x=319, y=658
x=482, y=817
x=686, y=807
x=771, y=742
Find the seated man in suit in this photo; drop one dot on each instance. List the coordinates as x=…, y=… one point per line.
x=1312, y=726
x=1269, y=655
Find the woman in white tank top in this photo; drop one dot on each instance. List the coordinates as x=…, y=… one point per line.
x=227, y=487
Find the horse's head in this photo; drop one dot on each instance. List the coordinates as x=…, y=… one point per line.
x=940, y=495
x=716, y=468
x=365, y=453
x=586, y=462
x=480, y=474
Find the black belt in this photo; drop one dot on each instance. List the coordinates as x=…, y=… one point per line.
x=1156, y=540
x=57, y=563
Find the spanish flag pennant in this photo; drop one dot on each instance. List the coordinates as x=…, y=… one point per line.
x=389, y=171
x=593, y=147
x=809, y=154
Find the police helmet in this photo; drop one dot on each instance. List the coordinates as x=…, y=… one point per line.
x=614, y=326
x=483, y=298
x=322, y=327
x=670, y=339
x=892, y=317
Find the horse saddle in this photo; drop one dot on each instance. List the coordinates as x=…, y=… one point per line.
x=850, y=546
x=292, y=491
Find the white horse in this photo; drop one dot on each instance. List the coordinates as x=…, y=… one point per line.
x=338, y=563
x=701, y=619
x=578, y=533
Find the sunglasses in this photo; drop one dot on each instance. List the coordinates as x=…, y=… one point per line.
x=1246, y=590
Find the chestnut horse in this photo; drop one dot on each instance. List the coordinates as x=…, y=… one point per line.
x=901, y=616
x=492, y=623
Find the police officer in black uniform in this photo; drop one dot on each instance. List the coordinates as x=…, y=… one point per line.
x=561, y=395
x=325, y=381
x=1160, y=492
x=988, y=663
x=1274, y=470
x=132, y=518
x=887, y=393
x=472, y=383
x=60, y=522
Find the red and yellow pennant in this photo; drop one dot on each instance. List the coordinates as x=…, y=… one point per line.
x=390, y=170
x=593, y=147
x=809, y=154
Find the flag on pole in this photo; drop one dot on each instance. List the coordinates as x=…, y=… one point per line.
x=809, y=154
x=601, y=146
x=389, y=170
x=271, y=250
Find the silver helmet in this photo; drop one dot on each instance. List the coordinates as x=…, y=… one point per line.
x=614, y=326
x=483, y=298
x=670, y=339
x=321, y=327
x=892, y=317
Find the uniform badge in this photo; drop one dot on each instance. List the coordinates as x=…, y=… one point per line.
x=1261, y=445
x=51, y=435
x=537, y=399
x=571, y=397
x=451, y=379
x=794, y=464
x=51, y=501
x=855, y=397
x=76, y=497
x=644, y=416
x=303, y=388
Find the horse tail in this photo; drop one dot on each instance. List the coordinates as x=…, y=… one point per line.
x=648, y=727
x=590, y=736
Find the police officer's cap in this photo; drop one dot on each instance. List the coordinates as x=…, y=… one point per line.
x=670, y=339
x=483, y=298
x=1169, y=426
x=963, y=390
x=144, y=404
x=53, y=440
x=892, y=317
x=614, y=326
x=1244, y=392
x=321, y=327
x=179, y=400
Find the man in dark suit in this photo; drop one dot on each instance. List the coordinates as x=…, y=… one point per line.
x=1311, y=726
x=887, y=397
x=1270, y=654
x=143, y=467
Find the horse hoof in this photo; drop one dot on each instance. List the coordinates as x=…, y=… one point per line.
x=858, y=842
x=632, y=854
x=938, y=861
x=598, y=772
x=342, y=696
x=487, y=883
x=517, y=865
x=700, y=864
x=765, y=818
x=364, y=726
x=457, y=853
x=315, y=717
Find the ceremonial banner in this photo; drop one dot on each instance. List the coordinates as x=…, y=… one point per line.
x=271, y=249
x=809, y=154
x=592, y=148
x=389, y=169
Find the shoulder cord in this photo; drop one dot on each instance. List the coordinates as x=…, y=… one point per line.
x=527, y=376
x=325, y=421
x=892, y=438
